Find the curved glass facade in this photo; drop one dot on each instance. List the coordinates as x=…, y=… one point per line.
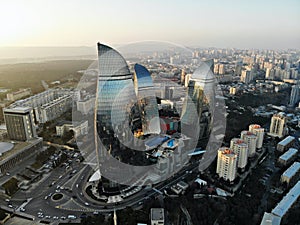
x=200, y=99
x=146, y=100
x=115, y=91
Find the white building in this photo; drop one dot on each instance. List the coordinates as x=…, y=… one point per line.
x=47, y=105
x=277, y=127
x=14, y=96
x=240, y=148
x=250, y=140
x=227, y=164
x=78, y=128
x=85, y=106
x=259, y=132
x=157, y=216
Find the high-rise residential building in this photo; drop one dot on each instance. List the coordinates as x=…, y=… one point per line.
x=233, y=90
x=295, y=94
x=250, y=139
x=115, y=92
x=240, y=148
x=246, y=76
x=259, y=132
x=182, y=76
x=227, y=164
x=146, y=100
x=20, y=124
x=277, y=127
x=221, y=69
x=270, y=73
x=200, y=100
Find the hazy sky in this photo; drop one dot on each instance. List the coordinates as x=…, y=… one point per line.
x=218, y=23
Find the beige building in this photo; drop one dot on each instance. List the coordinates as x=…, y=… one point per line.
x=259, y=132
x=277, y=127
x=227, y=164
x=250, y=139
x=240, y=148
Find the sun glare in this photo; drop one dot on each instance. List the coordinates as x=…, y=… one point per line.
x=17, y=22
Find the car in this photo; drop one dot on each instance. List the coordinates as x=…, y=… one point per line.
x=7, y=200
x=22, y=209
x=10, y=206
x=46, y=197
x=95, y=213
x=72, y=217
x=86, y=203
x=40, y=216
x=63, y=217
x=55, y=217
x=47, y=217
x=7, y=174
x=77, y=185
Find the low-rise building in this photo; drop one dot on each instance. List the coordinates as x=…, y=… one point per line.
x=288, y=156
x=285, y=143
x=14, y=96
x=78, y=128
x=286, y=203
x=291, y=174
x=157, y=216
x=18, y=153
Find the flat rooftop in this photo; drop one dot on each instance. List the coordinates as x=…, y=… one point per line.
x=292, y=170
x=287, y=201
x=287, y=155
x=286, y=141
x=17, y=147
x=17, y=109
x=157, y=214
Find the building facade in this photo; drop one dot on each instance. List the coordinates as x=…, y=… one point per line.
x=240, y=148
x=227, y=164
x=251, y=140
x=115, y=92
x=146, y=100
x=19, y=123
x=278, y=125
x=259, y=132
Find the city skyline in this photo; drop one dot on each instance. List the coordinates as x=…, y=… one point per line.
x=255, y=24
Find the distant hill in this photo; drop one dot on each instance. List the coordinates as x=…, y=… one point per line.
x=9, y=55
x=23, y=75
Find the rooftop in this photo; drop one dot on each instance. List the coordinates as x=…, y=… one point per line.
x=288, y=154
x=270, y=219
x=157, y=214
x=292, y=170
x=287, y=140
x=287, y=201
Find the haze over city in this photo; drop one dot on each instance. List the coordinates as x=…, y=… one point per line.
x=240, y=24
x=150, y=112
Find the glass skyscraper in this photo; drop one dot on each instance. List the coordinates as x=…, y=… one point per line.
x=115, y=92
x=200, y=101
x=144, y=89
